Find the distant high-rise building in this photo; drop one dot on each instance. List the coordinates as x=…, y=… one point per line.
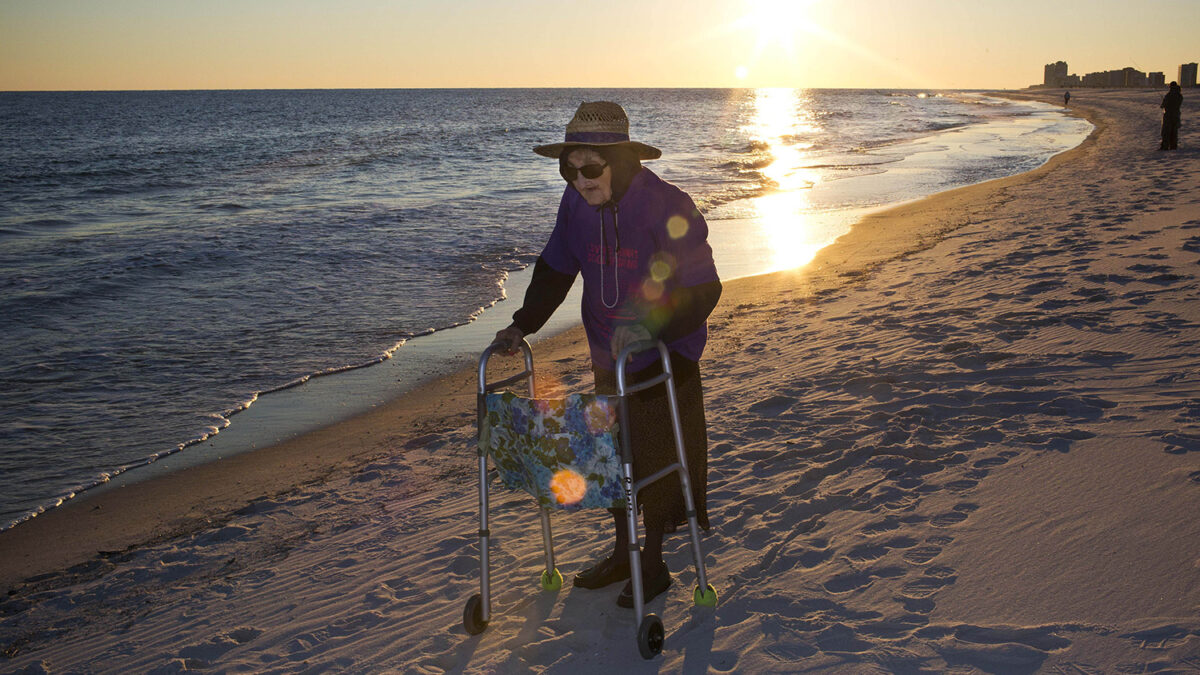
x=1056, y=74
x=1132, y=77
x=1187, y=75
x=1158, y=80
x=1119, y=79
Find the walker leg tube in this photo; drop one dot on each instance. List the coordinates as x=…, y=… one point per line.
x=547, y=542
x=485, y=593
x=479, y=609
x=551, y=579
x=635, y=543
x=631, y=519
x=685, y=480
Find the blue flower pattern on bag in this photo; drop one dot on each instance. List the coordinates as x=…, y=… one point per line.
x=561, y=451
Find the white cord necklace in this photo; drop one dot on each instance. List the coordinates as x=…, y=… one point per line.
x=604, y=259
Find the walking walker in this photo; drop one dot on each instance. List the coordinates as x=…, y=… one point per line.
x=570, y=454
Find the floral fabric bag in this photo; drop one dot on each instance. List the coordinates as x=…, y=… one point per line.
x=561, y=451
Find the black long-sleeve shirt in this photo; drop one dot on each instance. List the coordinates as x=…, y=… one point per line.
x=690, y=306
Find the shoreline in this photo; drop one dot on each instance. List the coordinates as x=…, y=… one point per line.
x=119, y=518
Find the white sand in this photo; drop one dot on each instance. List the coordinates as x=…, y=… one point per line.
x=982, y=456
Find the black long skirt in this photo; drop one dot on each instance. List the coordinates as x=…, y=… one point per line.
x=662, y=502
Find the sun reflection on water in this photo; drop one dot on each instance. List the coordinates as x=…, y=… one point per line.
x=781, y=118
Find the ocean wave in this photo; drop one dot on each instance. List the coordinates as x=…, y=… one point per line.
x=224, y=206
x=753, y=146
x=732, y=194
x=866, y=161
x=748, y=164
x=37, y=226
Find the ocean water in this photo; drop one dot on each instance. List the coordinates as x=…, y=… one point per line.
x=167, y=258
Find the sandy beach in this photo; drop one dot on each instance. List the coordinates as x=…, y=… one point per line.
x=965, y=438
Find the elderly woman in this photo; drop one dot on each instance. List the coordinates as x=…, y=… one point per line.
x=648, y=274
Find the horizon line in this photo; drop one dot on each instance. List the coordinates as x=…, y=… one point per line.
x=247, y=89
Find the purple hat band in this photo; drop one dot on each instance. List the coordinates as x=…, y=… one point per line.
x=597, y=137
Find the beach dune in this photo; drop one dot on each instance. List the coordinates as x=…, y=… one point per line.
x=965, y=438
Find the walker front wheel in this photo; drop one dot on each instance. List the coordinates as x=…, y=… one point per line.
x=650, y=637
x=473, y=615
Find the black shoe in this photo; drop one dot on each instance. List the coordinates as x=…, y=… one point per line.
x=651, y=588
x=603, y=573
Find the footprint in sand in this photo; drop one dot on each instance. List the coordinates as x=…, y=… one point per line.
x=950, y=518
x=916, y=605
x=1144, y=269
x=1160, y=275
x=1102, y=357
x=990, y=462
x=201, y=655
x=1040, y=638
x=1043, y=286
x=961, y=485
x=1077, y=668
x=221, y=536
x=1090, y=294
x=852, y=581
x=888, y=524
x=867, y=553
x=1180, y=443
x=927, y=553
x=871, y=552
x=922, y=555
x=934, y=580
x=1161, y=637
x=773, y=406
x=1118, y=279
x=812, y=558
x=1138, y=298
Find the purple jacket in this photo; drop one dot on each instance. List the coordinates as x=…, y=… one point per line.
x=632, y=259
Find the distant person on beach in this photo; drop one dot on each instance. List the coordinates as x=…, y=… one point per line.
x=648, y=274
x=1066, y=98
x=1171, y=105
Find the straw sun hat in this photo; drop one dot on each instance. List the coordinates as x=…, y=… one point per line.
x=598, y=123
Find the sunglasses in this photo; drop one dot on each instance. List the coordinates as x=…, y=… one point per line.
x=589, y=171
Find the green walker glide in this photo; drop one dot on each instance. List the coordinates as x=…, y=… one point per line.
x=570, y=454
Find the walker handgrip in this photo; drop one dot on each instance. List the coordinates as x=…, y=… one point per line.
x=523, y=347
x=489, y=387
x=527, y=352
x=640, y=346
x=636, y=348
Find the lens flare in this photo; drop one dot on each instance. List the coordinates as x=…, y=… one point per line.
x=652, y=290
x=568, y=487
x=677, y=227
x=660, y=270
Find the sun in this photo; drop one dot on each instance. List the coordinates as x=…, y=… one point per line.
x=776, y=22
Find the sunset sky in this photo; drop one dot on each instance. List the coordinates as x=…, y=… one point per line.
x=271, y=44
